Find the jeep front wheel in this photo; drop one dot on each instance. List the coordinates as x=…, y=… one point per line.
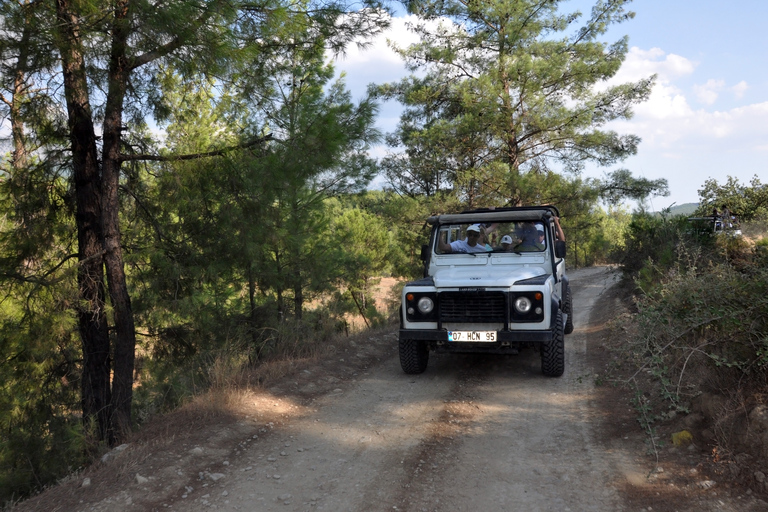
x=414, y=356
x=553, y=351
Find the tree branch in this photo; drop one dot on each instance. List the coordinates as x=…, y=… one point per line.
x=172, y=45
x=193, y=156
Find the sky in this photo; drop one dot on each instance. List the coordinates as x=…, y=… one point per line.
x=707, y=116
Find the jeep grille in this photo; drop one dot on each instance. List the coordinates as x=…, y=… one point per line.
x=476, y=307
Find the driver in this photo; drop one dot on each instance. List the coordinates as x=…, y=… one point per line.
x=473, y=242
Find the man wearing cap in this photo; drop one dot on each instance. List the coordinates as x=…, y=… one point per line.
x=506, y=243
x=473, y=243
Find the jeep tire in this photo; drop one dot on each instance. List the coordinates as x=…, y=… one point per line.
x=553, y=351
x=414, y=356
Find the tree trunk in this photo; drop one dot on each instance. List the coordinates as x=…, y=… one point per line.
x=125, y=341
x=280, y=304
x=279, y=289
x=252, y=314
x=19, y=156
x=96, y=397
x=360, y=307
x=298, y=296
x=512, y=143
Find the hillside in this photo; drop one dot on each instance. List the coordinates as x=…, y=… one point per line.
x=683, y=209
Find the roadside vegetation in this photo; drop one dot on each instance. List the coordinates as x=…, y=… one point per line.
x=698, y=344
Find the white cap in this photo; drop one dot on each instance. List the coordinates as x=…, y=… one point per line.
x=506, y=239
x=474, y=227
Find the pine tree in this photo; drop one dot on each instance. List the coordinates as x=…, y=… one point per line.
x=510, y=87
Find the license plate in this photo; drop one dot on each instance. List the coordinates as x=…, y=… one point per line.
x=472, y=336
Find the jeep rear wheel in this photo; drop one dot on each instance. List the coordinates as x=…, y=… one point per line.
x=414, y=356
x=553, y=351
x=568, y=310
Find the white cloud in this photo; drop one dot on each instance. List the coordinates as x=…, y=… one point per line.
x=683, y=129
x=378, y=51
x=739, y=89
x=666, y=101
x=644, y=63
x=708, y=93
x=668, y=123
x=377, y=63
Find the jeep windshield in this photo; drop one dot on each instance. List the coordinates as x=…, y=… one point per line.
x=491, y=237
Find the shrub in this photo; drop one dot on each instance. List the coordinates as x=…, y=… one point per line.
x=703, y=328
x=651, y=246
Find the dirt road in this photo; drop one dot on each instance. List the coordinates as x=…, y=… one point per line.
x=470, y=434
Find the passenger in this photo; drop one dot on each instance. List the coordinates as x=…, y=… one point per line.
x=717, y=219
x=727, y=219
x=473, y=243
x=559, y=235
x=529, y=238
x=506, y=243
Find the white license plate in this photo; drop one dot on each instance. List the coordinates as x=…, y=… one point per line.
x=472, y=336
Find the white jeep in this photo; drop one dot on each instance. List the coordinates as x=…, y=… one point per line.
x=494, y=282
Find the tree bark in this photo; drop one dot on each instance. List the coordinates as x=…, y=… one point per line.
x=125, y=341
x=19, y=156
x=298, y=296
x=96, y=395
x=252, y=301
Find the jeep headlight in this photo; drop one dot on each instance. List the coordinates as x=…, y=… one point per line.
x=420, y=306
x=425, y=305
x=523, y=305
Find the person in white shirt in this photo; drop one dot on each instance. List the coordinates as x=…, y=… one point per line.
x=473, y=243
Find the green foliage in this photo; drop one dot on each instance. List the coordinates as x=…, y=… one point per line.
x=196, y=233
x=366, y=240
x=506, y=92
x=620, y=185
x=42, y=436
x=650, y=246
x=596, y=236
x=748, y=202
x=761, y=252
x=704, y=315
x=405, y=219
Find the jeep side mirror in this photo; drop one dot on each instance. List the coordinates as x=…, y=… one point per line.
x=560, y=248
x=424, y=252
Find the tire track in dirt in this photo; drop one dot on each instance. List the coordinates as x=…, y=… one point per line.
x=519, y=440
x=492, y=434
x=423, y=475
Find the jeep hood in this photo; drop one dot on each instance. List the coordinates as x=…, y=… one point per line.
x=487, y=276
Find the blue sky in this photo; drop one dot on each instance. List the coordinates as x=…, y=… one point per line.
x=708, y=114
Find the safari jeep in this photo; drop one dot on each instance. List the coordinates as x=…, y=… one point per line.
x=494, y=282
